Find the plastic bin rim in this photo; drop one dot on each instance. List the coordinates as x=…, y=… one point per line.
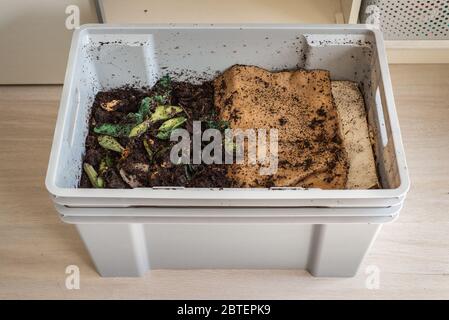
x=339, y=27
x=226, y=193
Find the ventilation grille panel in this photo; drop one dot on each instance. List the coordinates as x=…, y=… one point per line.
x=408, y=19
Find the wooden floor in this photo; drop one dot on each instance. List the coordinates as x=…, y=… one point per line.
x=412, y=253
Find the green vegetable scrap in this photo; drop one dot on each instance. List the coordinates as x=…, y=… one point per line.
x=165, y=81
x=142, y=113
x=134, y=118
x=110, y=143
x=144, y=108
x=219, y=125
x=95, y=180
x=161, y=113
x=105, y=164
x=190, y=171
x=164, y=112
x=161, y=99
x=100, y=182
x=139, y=129
x=109, y=161
x=114, y=130
x=147, y=145
x=168, y=126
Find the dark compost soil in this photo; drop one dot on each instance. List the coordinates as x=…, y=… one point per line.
x=135, y=167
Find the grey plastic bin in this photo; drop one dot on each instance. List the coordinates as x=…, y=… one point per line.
x=130, y=231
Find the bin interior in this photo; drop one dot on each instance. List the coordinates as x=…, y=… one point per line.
x=104, y=58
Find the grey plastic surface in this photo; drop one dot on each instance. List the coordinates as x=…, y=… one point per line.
x=131, y=249
x=128, y=232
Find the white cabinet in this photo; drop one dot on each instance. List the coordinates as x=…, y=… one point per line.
x=34, y=40
x=230, y=11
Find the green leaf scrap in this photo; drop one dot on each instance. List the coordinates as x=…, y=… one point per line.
x=134, y=118
x=219, y=125
x=142, y=113
x=144, y=108
x=165, y=112
x=110, y=143
x=100, y=182
x=105, y=164
x=97, y=182
x=165, y=81
x=139, y=129
x=168, y=126
x=114, y=130
x=147, y=146
x=161, y=99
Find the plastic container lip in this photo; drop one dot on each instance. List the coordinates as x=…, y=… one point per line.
x=226, y=193
x=227, y=215
x=229, y=193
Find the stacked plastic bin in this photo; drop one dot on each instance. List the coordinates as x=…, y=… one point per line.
x=129, y=231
